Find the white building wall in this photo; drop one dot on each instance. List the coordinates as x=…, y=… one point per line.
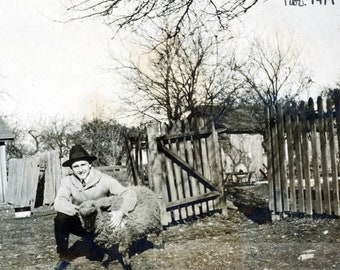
x=3, y=172
x=250, y=147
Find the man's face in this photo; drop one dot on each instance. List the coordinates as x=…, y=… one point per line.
x=81, y=169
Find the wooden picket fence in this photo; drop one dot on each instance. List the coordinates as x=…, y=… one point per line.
x=303, y=146
x=183, y=168
x=24, y=175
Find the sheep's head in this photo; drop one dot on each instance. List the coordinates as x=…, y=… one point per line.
x=88, y=212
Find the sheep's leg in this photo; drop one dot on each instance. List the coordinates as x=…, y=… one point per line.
x=106, y=259
x=158, y=240
x=162, y=239
x=123, y=250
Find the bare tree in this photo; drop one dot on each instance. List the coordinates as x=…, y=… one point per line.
x=26, y=141
x=16, y=148
x=181, y=77
x=273, y=73
x=137, y=14
x=184, y=72
x=58, y=135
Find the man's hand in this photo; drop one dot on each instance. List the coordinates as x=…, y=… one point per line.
x=76, y=209
x=116, y=218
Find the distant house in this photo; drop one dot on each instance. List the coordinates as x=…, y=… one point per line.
x=5, y=135
x=241, y=136
x=243, y=148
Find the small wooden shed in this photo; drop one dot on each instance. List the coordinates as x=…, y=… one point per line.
x=5, y=135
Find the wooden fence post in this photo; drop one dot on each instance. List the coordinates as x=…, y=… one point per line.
x=282, y=159
x=276, y=163
x=298, y=162
x=290, y=148
x=305, y=159
x=336, y=183
x=270, y=157
x=201, y=154
x=315, y=159
x=155, y=171
x=132, y=160
x=217, y=175
x=324, y=166
x=170, y=176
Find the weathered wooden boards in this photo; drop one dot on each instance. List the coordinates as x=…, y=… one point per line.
x=53, y=175
x=23, y=177
x=303, y=157
x=185, y=169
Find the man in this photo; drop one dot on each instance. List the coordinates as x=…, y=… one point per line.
x=86, y=183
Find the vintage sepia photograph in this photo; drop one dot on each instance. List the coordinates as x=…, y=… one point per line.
x=169, y=134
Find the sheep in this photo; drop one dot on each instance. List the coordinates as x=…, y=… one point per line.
x=143, y=220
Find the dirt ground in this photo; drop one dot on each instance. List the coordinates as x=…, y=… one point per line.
x=244, y=239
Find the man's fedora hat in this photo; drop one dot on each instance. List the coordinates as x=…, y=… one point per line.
x=78, y=153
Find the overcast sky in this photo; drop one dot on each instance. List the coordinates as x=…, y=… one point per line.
x=50, y=68
x=315, y=29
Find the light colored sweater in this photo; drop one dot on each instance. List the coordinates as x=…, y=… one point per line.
x=71, y=192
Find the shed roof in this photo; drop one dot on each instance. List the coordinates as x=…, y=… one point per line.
x=5, y=133
x=241, y=119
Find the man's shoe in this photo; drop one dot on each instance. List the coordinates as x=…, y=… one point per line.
x=62, y=264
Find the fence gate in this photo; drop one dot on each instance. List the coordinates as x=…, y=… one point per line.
x=184, y=168
x=303, y=146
